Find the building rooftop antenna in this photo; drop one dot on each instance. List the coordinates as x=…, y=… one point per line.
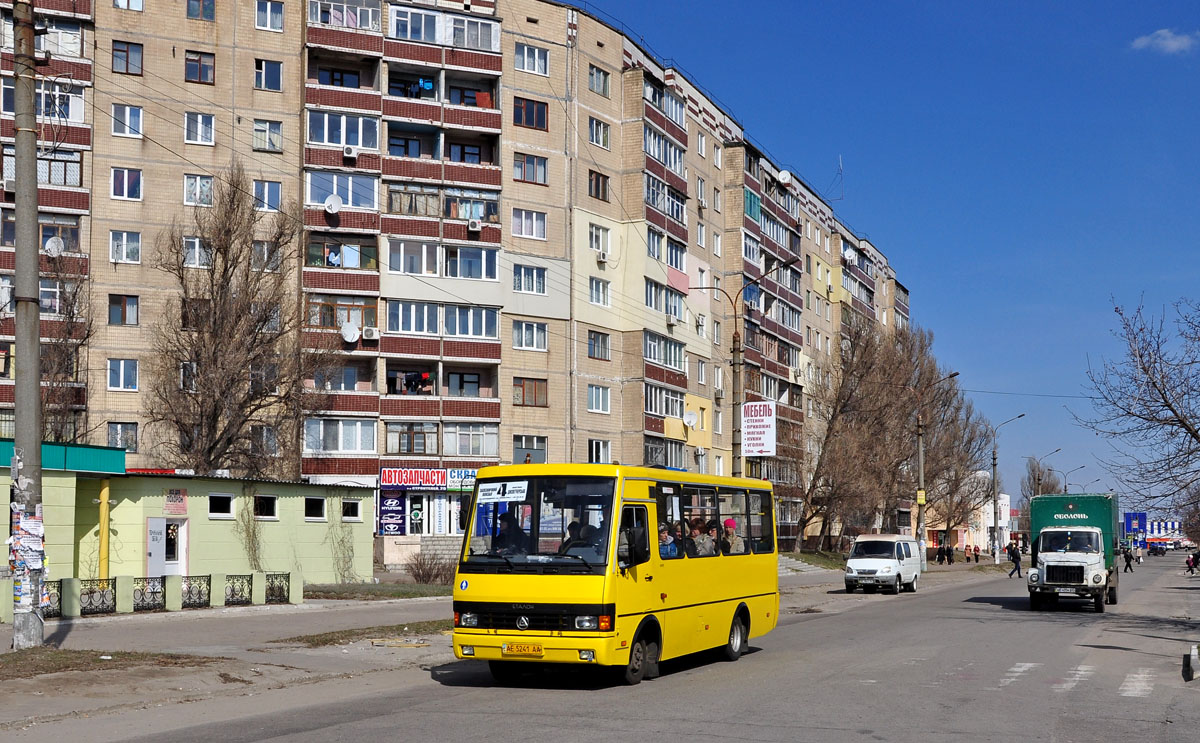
x=839, y=181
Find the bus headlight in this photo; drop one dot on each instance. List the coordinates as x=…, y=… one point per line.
x=587, y=622
x=466, y=619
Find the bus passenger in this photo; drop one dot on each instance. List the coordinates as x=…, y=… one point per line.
x=731, y=542
x=511, y=540
x=666, y=545
x=706, y=546
x=572, y=539
x=683, y=538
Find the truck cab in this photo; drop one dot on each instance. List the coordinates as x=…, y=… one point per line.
x=1073, y=550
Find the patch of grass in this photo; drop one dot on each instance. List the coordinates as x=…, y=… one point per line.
x=43, y=660
x=373, y=591
x=341, y=637
x=828, y=560
x=989, y=567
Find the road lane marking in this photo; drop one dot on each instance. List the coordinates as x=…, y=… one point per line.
x=1017, y=672
x=1139, y=683
x=1079, y=673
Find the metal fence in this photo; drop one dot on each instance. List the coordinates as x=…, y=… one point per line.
x=196, y=591
x=238, y=589
x=97, y=596
x=148, y=594
x=54, y=592
x=278, y=588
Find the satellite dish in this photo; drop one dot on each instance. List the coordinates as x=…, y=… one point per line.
x=785, y=177
x=689, y=419
x=333, y=204
x=350, y=332
x=55, y=246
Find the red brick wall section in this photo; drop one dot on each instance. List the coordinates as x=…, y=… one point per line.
x=459, y=231
x=69, y=265
x=409, y=346
x=475, y=60
x=320, y=219
x=656, y=218
x=478, y=117
x=339, y=466
x=53, y=198
x=416, y=227
x=363, y=42
x=670, y=128
x=415, y=463
x=333, y=158
x=487, y=175
x=470, y=409
x=413, y=52
x=344, y=98
x=338, y=280
x=353, y=403
x=678, y=231
x=657, y=373
x=410, y=406
x=402, y=167
x=409, y=109
x=654, y=424
x=471, y=350
x=81, y=71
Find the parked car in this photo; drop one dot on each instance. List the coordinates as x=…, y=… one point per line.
x=1157, y=550
x=888, y=560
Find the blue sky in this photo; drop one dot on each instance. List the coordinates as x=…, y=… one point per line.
x=1022, y=165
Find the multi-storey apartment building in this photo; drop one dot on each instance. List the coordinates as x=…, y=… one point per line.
x=527, y=238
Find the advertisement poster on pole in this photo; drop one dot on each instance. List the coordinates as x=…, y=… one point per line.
x=758, y=429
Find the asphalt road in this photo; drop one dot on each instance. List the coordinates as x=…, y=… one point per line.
x=962, y=662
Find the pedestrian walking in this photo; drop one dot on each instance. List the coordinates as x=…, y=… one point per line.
x=1191, y=565
x=977, y=554
x=949, y=555
x=1138, y=554
x=941, y=554
x=1128, y=555
x=1014, y=554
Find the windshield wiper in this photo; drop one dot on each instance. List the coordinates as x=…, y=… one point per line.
x=581, y=558
x=511, y=564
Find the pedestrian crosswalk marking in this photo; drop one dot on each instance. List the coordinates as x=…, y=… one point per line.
x=1079, y=673
x=1017, y=672
x=1138, y=683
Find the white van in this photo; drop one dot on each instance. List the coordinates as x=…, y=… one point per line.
x=888, y=560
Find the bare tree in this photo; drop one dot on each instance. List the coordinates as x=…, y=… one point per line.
x=1038, y=479
x=960, y=440
x=1148, y=404
x=227, y=380
x=64, y=347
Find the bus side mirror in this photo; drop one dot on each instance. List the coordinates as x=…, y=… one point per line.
x=462, y=519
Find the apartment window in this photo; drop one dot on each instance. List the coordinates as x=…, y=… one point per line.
x=201, y=10
x=325, y=251
x=128, y=5
x=123, y=374
x=122, y=309
x=58, y=167
x=470, y=439
x=199, y=67
x=470, y=263
x=533, y=59
x=662, y=401
x=529, y=336
x=530, y=393
x=126, y=120
x=676, y=254
x=264, y=256
x=717, y=156
x=662, y=350
x=416, y=258
x=188, y=374
x=196, y=253
x=198, y=190
x=197, y=128
x=400, y=145
x=462, y=384
x=701, y=327
x=598, y=346
x=470, y=204
x=716, y=244
x=716, y=201
x=269, y=16
x=339, y=435
x=267, y=195
x=412, y=317
x=468, y=33
x=528, y=448
x=414, y=200
x=471, y=322
x=413, y=25
x=654, y=295
x=530, y=114
x=351, y=509
x=526, y=223
x=126, y=58
x=268, y=135
x=265, y=507
x=314, y=509
x=701, y=233
x=597, y=185
x=339, y=77
x=342, y=129
x=220, y=506
x=529, y=279
x=268, y=74
x=701, y=142
x=654, y=244
x=123, y=436
x=125, y=247
x=598, y=80
x=597, y=399
x=598, y=292
x=718, y=421
x=599, y=451
x=598, y=132
x=701, y=371
x=529, y=168
x=358, y=191
x=52, y=294
x=127, y=184
x=411, y=438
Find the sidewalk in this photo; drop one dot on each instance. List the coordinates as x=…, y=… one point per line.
x=250, y=663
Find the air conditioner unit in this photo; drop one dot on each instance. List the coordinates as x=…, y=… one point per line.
x=350, y=152
x=829, y=288
x=474, y=225
x=602, y=257
x=672, y=321
x=703, y=202
x=370, y=333
x=797, y=374
x=700, y=451
x=10, y=185
x=719, y=393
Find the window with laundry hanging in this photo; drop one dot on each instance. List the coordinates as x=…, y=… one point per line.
x=411, y=380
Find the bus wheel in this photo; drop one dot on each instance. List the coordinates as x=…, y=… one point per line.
x=737, y=639
x=635, y=669
x=504, y=672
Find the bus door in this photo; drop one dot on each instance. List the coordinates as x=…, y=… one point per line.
x=672, y=540
x=636, y=588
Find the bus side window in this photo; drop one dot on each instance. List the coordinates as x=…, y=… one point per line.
x=733, y=531
x=671, y=533
x=699, y=511
x=633, y=543
x=759, y=514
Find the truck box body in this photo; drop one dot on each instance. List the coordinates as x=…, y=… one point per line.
x=1077, y=509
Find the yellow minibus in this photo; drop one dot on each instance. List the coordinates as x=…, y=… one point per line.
x=611, y=565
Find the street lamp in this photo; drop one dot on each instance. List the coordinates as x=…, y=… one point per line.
x=736, y=469
x=1037, y=476
x=1067, y=474
x=1083, y=488
x=996, y=492
x=920, y=393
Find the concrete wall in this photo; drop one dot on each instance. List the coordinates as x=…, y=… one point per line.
x=58, y=514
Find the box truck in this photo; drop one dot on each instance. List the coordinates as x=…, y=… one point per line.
x=1074, y=542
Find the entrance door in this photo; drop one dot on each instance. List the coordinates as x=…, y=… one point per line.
x=156, y=546
x=175, y=547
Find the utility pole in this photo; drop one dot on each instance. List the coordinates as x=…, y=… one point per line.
x=920, y=392
x=996, y=492
x=28, y=630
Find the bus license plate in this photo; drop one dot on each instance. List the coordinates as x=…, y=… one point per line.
x=522, y=648
x=1064, y=590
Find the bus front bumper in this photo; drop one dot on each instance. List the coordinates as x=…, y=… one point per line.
x=592, y=649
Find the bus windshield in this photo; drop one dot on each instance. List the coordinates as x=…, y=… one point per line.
x=1070, y=541
x=873, y=548
x=541, y=520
